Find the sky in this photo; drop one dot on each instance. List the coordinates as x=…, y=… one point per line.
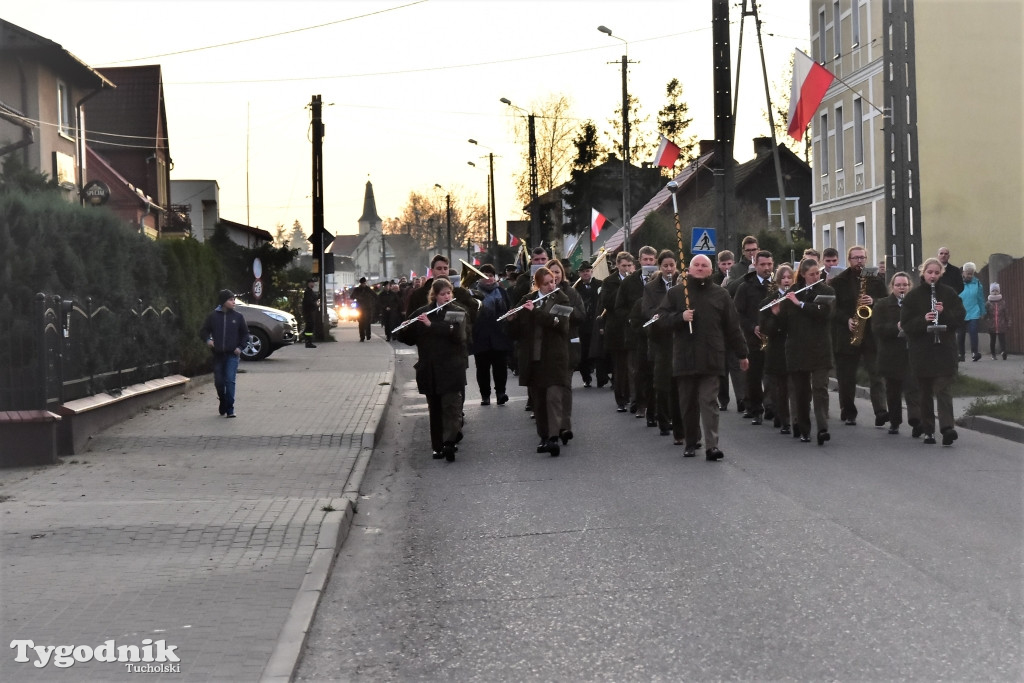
x=405, y=84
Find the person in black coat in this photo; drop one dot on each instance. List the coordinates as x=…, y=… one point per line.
x=804, y=317
x=952, y=276
x=848, y=287
x=440, y=339
x=588, y=287
x=776, y=373
x=491, y=343
x=641, y=389
x=894, y=358
x=310, y=311
x=749, y=295
x=225, y=332
x=933, y=352
x=367, y=301
x=389, y=302
x=614, y=331
x=705, y=328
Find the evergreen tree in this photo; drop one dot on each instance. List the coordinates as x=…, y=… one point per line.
x=673, y=121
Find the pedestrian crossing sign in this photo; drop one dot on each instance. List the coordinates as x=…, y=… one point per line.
x=702, y=241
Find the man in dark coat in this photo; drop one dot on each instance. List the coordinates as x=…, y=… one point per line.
x=848, y=356
x=613, y=334
x=952, y=276
x=739, y=269
x=749, y=295
x=588, y=287
x=389, y=301
x=367, y=300
x=698, y=355
x=641, y=379
x=310, y=311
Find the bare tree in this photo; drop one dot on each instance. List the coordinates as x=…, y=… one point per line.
x=555, y=130
x=640, y=146
x=424, y=217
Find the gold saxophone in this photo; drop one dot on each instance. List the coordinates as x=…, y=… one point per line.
x=862, y=314
x=773, y=289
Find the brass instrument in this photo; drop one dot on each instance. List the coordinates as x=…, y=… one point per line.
x=773, y=289
x=935, y=327
x=410, y=321
x=862, y=314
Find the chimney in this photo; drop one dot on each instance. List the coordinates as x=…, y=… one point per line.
x=707, y=147
x=762, y=145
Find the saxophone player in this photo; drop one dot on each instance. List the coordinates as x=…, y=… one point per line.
x=930, y=316
x=855, y=289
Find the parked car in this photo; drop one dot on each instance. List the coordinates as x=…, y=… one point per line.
x=269, y=330
x=332, y=315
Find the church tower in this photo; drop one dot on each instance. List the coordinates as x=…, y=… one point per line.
x=369, y=219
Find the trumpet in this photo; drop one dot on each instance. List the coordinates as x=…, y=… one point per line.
x=783, y=297
x=410, y=321
x=519, y=308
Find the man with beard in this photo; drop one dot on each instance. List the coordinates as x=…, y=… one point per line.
x=705, y=326
x=848, y=356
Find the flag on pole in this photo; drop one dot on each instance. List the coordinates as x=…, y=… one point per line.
x=412, y=274
x=667, y=154
x=513, y=241
x=597, y=222
x=600, y=263
x=810, y=83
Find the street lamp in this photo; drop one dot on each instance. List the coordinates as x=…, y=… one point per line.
x=535, y=237
x=448, y=213
x=625, y=137
x=492, y=209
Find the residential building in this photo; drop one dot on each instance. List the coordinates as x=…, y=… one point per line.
x=917, y=143
x=200, y=199
x=42, y=90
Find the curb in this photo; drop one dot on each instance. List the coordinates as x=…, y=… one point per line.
x=334, y=530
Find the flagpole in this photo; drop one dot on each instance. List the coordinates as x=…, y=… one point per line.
x=849, y=87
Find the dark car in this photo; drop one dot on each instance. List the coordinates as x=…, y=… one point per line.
x=269, y=330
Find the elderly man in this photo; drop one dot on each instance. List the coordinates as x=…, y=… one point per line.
x=951, y=275
x=705, y=327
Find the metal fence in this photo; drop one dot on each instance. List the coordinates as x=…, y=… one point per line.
x=65, y=350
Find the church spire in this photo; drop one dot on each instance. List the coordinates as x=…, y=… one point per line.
x=369, y=216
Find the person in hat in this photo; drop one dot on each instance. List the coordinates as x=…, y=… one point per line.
x=226, y=334
x=367, y=301
x=310, y=308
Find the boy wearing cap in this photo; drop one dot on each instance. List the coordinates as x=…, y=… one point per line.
x=226, y=333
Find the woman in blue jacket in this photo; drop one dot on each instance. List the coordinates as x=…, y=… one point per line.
x=974, y=298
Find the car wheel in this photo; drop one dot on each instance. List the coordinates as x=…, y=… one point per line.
x=258, y=347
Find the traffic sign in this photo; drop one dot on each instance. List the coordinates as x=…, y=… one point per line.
x=257, y=289
x=702, y=241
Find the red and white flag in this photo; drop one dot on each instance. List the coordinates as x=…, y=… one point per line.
x=667, y=154
x=597, y=221
x=810, y=83
x=513, y=241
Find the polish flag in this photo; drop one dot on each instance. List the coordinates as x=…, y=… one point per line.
x=810, y=83
x=513, y=241
x=597, y=221
x=667, y=154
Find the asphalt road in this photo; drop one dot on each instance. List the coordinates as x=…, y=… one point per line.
x=873, y=558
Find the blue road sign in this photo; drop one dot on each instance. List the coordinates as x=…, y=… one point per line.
x=702, y=241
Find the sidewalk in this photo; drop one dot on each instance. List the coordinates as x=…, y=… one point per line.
x=207, y=533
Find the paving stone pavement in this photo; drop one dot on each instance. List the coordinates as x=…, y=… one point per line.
x=183, y=526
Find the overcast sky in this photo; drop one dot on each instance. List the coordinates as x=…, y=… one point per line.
x=404, y=83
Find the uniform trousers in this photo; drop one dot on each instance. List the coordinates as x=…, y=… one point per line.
x=755, y=377
x=936, y=388
x=700, y=393
x=445, y=417
x=805, y=387
x=898, y=390
x=777, y=386
x=620, y=376
x=547, y=409
x=846, y=376
x=488, y=363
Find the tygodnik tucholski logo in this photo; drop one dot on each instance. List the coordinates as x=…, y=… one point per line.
x=149, y=657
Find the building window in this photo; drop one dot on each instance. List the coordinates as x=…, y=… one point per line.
x=836, y=29
x=824, y=144
x=821, y=36
x=826, y=237
x=861, y=236
x=855, y=23
x=64, y=118
x=841, y=241
x=858, y=131
x=840, y=140
x=792, y=211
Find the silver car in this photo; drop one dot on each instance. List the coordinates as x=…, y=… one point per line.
x=269, y=330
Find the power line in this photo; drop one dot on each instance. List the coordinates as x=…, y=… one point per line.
x=271, y=35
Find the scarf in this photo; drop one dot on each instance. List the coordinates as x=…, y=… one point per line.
x=995, y=297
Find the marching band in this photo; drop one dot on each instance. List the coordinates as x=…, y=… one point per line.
x=670, y=334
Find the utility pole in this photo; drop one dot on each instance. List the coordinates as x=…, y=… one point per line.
x=724, y=116
x=535, y=236
x=317, y=238
x=625, y=155
x=493, y=207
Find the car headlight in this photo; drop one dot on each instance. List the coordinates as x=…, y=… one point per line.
x=277, y=316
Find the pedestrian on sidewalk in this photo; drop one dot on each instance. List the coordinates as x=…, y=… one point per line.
x=226, y=333
x=973, y=296
x=997, y=317
x=440, y=338
x=310, y=310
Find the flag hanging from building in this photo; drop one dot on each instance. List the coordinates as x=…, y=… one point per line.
x=810, y=83
x=513, y=241
x=667, y=154
x=597, y=222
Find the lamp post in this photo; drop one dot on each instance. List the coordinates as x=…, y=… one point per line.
x=492, y=209
x=448, y=214
x=535, y=237
x=625, y=138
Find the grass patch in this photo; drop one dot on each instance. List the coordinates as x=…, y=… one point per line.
x=1007, y=408
x=963, y=385
x=328, y=508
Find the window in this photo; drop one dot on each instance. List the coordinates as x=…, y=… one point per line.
x=64, y=118
x=826, y=237
x=840, y=140
x=858, y=131
x=836, y=29
x=855, y=23
x=841, y=241
x=792, y=212
x=860, y=231
x=824, y=144
x=821, y=36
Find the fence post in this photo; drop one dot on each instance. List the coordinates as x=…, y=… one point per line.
x=39, y=400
